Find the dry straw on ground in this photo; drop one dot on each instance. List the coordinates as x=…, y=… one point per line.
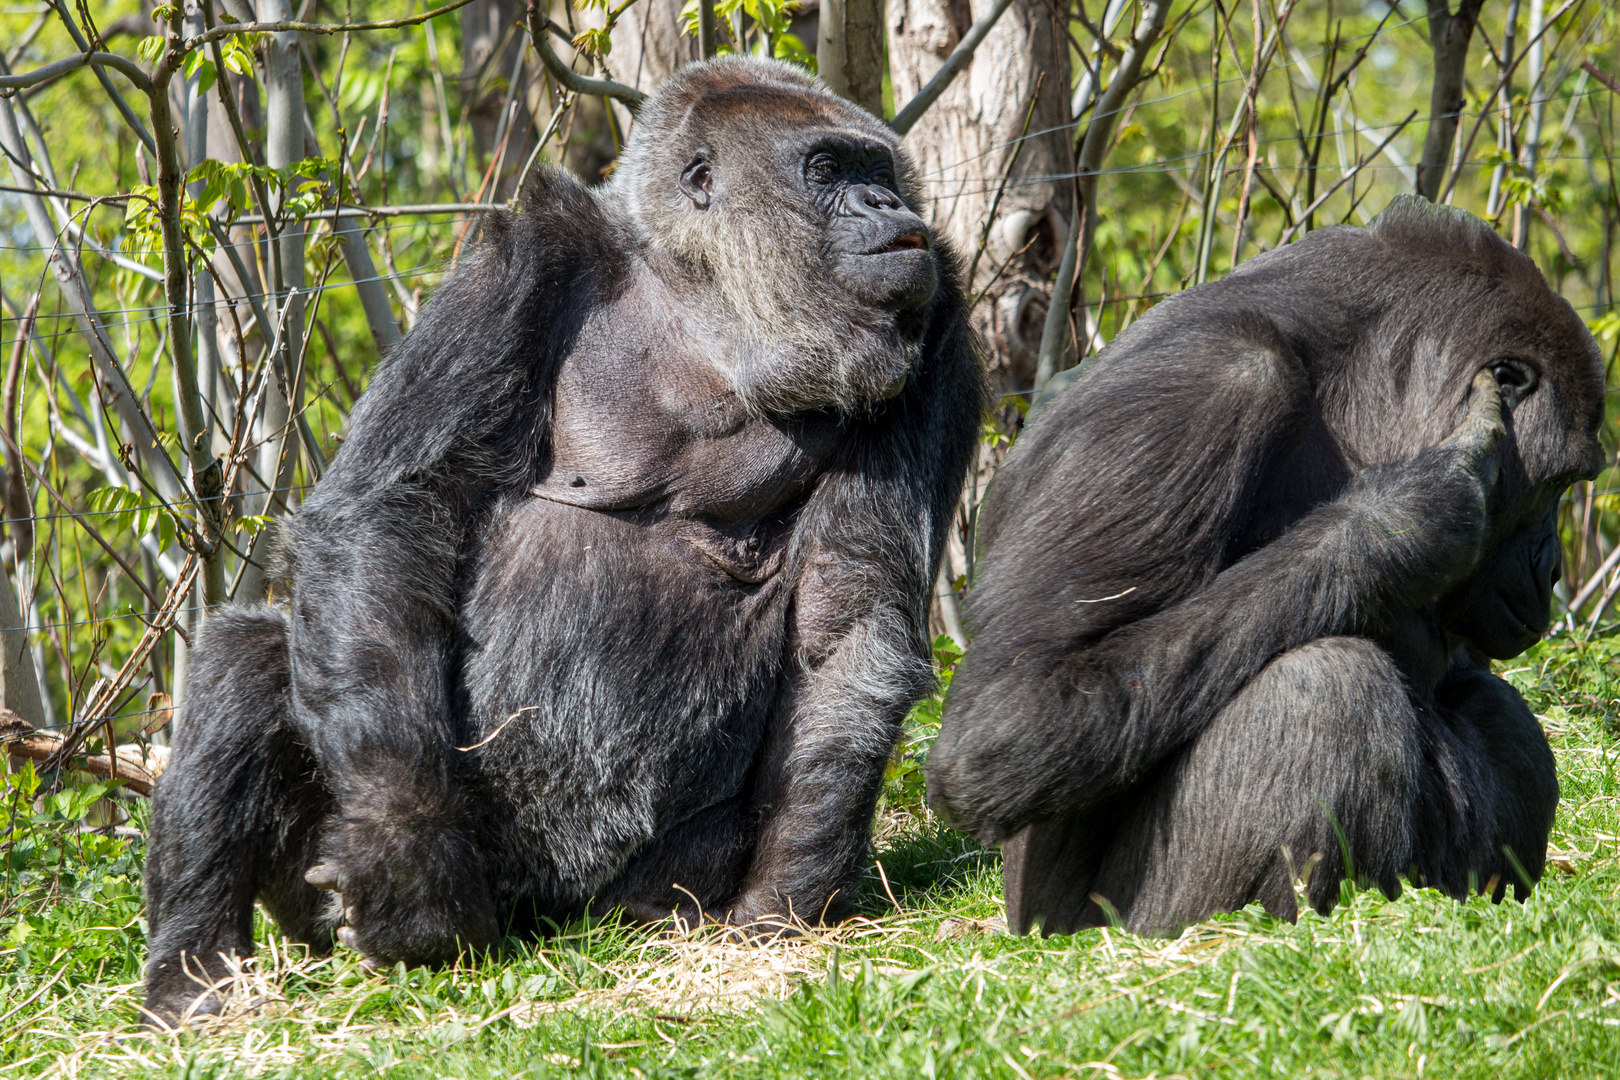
x=683, y=977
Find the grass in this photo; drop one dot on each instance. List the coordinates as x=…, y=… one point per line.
x=924, y=984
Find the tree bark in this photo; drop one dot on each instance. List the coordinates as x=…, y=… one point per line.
x=849, y=51
x=964, y=145
x=501, y=112
x=1449, y=36
x=649, y=44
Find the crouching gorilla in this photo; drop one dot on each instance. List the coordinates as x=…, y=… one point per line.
x=616, y=593
x=1240, y=583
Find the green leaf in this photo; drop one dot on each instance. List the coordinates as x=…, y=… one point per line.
x=150, y=49
x=236, y=56
x=199, y=66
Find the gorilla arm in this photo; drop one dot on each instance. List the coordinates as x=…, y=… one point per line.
x=452, y=418
x=872, y=537
x=1078, y=713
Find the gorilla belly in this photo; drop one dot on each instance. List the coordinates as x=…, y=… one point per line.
x=620, y=682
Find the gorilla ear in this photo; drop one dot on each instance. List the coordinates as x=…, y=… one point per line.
x=697, y=180
x=1515, y=377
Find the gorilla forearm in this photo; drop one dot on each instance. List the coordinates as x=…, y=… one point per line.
x=1396, y=539
x=823, y=766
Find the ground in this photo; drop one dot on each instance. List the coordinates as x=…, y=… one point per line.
x=925, y=983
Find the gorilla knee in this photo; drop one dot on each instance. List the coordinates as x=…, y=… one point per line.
x=1320, y=754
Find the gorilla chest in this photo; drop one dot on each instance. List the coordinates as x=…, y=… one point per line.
x=645, y=428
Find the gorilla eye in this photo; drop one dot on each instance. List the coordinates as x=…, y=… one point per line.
x=821, y=168
x=1515, y=377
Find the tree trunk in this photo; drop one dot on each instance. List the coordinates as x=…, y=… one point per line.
x=849, y=51
x=964, y=145
x=649, y=44
x=1449, y=36
x=495, y=68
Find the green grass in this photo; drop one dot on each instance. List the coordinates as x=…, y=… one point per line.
x=923, y=985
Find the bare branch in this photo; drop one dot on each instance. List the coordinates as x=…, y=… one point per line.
x=137, y=768
x=280, y=25
x=1345, y=179
x=572, y=80
x=118, y=101
x=123, y=66
x=1100, y=133
x=408, y=210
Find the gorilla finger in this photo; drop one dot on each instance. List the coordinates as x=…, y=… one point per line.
x=1483, y=427
x=349, y=938
x=322, y=876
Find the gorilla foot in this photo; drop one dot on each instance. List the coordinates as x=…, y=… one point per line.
x=185, y=992
x=404, y=918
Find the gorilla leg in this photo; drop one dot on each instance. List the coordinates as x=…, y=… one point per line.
x=1490, y=791
x=235, y=817
x=693, y=870
x=1319, y=757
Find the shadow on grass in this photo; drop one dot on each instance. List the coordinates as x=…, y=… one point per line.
x=929, y=866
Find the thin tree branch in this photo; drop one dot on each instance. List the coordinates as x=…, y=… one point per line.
x=281, y=25
x=123, y=66
x=106, y=82
x=1345, y=179
x=572, y=80
x=67, y=507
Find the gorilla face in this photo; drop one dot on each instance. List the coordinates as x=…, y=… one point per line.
x=1553, y=408
x=876, y=248
x=1506, y=606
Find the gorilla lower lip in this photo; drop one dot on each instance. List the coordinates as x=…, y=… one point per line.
x=911, y=241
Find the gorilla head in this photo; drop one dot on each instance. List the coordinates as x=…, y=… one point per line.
x=1450, y=298
x=798, y=210
x=1551, y=376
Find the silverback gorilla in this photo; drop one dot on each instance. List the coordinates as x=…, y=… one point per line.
x=616, y=593
x=1240, y=583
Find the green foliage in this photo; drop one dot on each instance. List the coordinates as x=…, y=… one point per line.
x=773, y=17
x=904, y=787
x=70, y=897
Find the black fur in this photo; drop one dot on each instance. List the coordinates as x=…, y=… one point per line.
x=572, y=622
x=1239, y=585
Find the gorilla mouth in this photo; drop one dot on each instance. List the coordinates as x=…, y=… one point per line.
x=916, y=240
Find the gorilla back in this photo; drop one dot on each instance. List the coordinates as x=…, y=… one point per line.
x=616, y=593
x=1210, y=660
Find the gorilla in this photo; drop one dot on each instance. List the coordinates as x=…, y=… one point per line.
x=1241, y=581
x=616, y=593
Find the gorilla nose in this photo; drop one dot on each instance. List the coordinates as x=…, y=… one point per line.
x=868, y=200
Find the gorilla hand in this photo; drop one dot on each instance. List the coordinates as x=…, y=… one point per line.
x=1431, y=513
x=410, y=893
x=1474, y=440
